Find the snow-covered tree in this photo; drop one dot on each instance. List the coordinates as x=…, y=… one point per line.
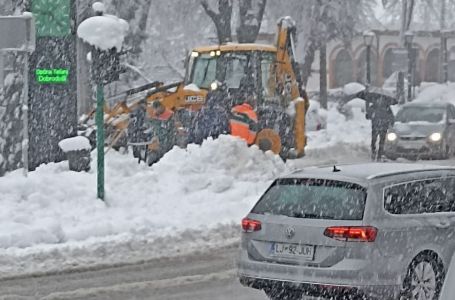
x=427, y=14
x=333, y=19
x=251, y=13
x=221, y=19
x=136, y=13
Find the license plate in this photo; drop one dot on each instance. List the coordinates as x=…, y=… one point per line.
x=293, y=250
x=416, y=145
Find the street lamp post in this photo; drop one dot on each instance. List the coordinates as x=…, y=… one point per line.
x=409, y=36
x=368, y=38
x=444, y=56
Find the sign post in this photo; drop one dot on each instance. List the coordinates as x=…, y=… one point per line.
x=106, y=35
x=100, y=137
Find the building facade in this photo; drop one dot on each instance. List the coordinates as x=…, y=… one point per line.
x=388, y=56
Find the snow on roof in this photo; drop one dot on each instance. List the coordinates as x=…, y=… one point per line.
x=104, y=32
x=353, y=88
x=192, y=87
x=436, y=93
x=74, y=144
x=287, y=22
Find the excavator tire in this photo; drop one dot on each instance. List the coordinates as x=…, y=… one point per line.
x=267, y=139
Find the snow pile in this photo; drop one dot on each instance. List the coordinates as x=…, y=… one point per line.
x=356, y=131
x=74, y=144
x=430, y=92
x=104, y=32
x=188, y=189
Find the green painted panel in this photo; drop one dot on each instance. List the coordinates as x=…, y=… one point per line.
x=52, y=17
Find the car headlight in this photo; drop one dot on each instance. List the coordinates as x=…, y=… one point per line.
x=214, y=86
x=392, y=136
x=435, y=137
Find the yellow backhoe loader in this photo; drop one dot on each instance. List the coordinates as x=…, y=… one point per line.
x=281, y=102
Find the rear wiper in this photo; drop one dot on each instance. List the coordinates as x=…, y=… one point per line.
x=311, y=216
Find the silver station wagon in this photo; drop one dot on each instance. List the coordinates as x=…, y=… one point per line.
x=422, y=130
x=375, y=230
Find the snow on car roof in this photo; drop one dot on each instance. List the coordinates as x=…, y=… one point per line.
x=439, y=104
x=365, y=172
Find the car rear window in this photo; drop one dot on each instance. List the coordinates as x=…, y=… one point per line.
x=313, y=199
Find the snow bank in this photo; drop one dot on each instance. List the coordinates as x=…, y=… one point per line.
x=356, y=131
x=104, y=32
x=74, y=144
x=206, y=185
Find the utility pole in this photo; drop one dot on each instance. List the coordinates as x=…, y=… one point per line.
x=443, y=64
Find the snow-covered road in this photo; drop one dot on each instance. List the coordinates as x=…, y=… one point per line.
x=199, y=275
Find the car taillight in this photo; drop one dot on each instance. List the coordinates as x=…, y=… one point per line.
x=250, y=225
x=352, y=233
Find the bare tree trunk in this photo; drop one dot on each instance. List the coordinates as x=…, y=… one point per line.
x=312, y=44
x=136, y=12
x=311, y=47
x=323, y=74
x=222, y=19
x=403, y=20
x=443, y=14
x=250, y=20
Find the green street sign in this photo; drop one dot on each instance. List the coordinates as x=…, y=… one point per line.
x=51, y=76
x=52, y=17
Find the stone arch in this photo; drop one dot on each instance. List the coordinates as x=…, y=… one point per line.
x=387, y=62
x=342, y=67
x=420, y=63
x=432, y=69
x=392, y=62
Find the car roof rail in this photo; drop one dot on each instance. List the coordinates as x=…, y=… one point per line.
x=383, y=175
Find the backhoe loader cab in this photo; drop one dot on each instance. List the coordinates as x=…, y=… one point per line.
x=241, y=67
x=267, y=72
